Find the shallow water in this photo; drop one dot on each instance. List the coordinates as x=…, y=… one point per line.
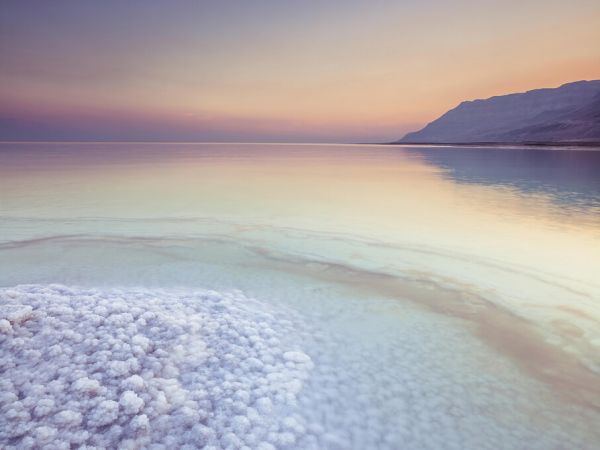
x=452, y=294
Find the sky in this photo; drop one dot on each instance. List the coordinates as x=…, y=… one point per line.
x=275, y=71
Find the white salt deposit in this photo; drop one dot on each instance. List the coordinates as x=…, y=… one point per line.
x=160, y=369
x=140, y=368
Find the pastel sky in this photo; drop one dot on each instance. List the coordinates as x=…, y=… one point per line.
x=274, y=70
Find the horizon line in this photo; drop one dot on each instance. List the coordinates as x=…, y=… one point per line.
x=187, y=142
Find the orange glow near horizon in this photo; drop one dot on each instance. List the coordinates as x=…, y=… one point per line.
x=333, y=74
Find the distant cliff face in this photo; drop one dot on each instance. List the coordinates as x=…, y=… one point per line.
x=570, y=112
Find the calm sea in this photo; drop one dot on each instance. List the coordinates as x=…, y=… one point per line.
x=470, y=275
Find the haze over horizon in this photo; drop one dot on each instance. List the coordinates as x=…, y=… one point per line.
x=274, y=71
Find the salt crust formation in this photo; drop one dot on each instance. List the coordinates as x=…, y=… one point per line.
x=181, y=369
x=146, y=369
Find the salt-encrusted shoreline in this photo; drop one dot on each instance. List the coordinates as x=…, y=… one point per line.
x=189, y=368
x=137, y=368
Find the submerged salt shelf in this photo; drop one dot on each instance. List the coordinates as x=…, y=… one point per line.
x=563, y=307
x=159, y=368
